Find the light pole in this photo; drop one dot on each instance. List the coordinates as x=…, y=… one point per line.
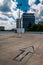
x=20, y=29
x=19, y=5
x=19, y=22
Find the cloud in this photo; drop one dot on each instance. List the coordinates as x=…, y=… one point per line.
x=9, y=15
x=1, y=2
x=37, y=9
x=41, y=1
x=7, y=19
x=5, y=6
x=3, y=19
x=31, y=2
x=8, y=23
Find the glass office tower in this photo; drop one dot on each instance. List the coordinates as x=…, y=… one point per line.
x=28, y=18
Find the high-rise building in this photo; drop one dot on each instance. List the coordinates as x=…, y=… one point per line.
x=18, y=23
x=2, y=28
x=28, y=18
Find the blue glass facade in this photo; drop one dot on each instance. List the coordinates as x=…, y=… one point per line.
x=28, y=18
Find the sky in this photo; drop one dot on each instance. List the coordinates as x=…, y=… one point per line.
x=9, y=11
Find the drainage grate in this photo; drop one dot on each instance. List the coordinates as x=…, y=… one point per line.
x=24, y=52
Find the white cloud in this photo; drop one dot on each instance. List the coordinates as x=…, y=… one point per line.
x=1, y=2
x=41, y=1
x=42, y=17
x=9, y=23
x=13, y=8
x=14, y=4
x=37, y=9
x=31, y=2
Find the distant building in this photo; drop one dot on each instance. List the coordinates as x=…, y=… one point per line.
x=18, y=23
x=28, y=18
x=2, y=28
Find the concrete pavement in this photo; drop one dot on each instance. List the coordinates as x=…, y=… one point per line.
x=10, y=45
